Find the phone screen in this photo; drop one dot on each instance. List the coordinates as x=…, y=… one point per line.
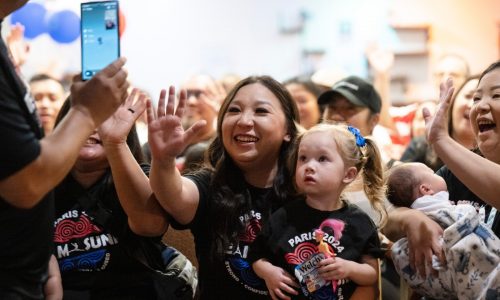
x=100, y=36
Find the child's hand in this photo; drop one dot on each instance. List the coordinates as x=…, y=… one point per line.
x=334, y=268
x=280, y=283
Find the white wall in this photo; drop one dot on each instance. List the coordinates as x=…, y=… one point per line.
x=166, y=41
x=466, y=27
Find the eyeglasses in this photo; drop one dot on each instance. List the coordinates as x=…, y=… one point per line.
x=345, y=111
x=193, y=93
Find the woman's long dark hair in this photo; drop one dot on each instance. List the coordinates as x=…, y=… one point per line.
x=307, y=83
x=490, y=68
x=132, y=137
x=231, y=196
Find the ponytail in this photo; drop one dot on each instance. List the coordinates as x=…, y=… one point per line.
x=360, y=152
x=373, y=177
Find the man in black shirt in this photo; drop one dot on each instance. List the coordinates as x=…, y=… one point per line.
x=31, y=165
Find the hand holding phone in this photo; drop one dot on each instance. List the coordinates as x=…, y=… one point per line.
x=103, y=94
x=100, y=36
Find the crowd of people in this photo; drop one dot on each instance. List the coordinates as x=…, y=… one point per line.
x=288, y=190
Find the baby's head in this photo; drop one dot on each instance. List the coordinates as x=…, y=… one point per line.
x=408, y=181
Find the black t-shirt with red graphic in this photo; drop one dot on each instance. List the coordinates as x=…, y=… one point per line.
x=232, y=278
x=90, y=249
x=288, y=241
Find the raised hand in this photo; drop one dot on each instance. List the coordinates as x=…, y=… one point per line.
x=117, y=127
x=380, y=59
x=167, y=138
x=103, y=94
x=209, y=103
x=18, y=47
x=436, y=127
x=213, y=97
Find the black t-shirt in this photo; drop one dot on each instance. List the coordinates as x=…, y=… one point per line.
x=288, y=241
x=91, y=244
x=461, y=194
x=25, y=233
x=419, y=151
x=232, y=278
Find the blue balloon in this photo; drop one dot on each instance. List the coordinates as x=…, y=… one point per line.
x=32, y=17
x=64, y=26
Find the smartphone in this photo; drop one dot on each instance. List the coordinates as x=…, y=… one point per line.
x=99, y=35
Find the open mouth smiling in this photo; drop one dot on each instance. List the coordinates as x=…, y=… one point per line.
x=93, y=141
x=485, y=125
x=246, y=138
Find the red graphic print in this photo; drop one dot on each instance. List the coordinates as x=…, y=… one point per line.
x=69, y=229
x=302, y=253
x=252, y=229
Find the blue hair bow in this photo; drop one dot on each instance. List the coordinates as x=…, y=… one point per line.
x=360, y=140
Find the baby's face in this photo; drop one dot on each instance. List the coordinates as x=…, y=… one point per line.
x=427, y=176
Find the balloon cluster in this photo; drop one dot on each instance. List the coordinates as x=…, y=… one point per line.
x=63, y=26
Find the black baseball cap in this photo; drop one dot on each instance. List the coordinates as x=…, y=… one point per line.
x=357, y=91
